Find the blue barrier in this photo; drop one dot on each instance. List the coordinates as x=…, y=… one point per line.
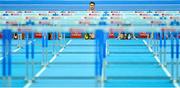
x=46, y=40
x=172, y=55
x=43, y=39
x=6, y=49
x=100, y=51
x=32, y=45
x=9, y=34
x=160, y=40
x=164, y=36
x=177, y=45
x=172, y=46
x=97, y=52
x=27, y=45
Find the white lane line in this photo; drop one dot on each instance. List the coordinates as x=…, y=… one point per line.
x=68, y=42
x=28, y=85
x=54, y=57
x=163, y=67
x=59, y=52
x=16, y=50
x=147, y=46
x=41, y=71
x=29, y=42
x=1, y=58
x=145, y=42
x=44, y=68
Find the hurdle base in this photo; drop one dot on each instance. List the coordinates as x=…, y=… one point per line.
x=175, y=81
x=165, y=65
x=27, y=81
x=9, y=78
x=33, y=80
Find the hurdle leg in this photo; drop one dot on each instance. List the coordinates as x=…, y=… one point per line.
x=27, y=71
x=64, y=36
x=165, y=63
x=9, y=81
x=104, y=70
x=27, y=57
x=148, y=41
x=151, y=41
x=46, y=63
x=172, y=69
x=21, y=42
x=4, y=68
x=43, y=57
x=32, y=74
x=155, y=47
x=177, y=70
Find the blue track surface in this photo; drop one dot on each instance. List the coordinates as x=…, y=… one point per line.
x=77, y=70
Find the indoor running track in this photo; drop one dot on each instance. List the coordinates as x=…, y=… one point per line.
x=74, y=67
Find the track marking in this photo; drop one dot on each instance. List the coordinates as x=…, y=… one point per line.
x=162, y=66
x=59, y=52
x=1, y=58
x=16, y=50
x=41, y=71
x=28, y=85
x=147, y=46
x=54, y=57
x=68, y=42
x=44, y=68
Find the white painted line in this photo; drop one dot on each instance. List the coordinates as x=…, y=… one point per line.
x=29, y=42
x=145, y=42
x=147, y=46
x=176, y=84
x=44, y=68
x=150, y=49
x=40, y=72
x=163, y=67
x=29, y=84
x=53, y=59
x=68, y=42
x=1, y=58
x=61, y=50
x=16, y=50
